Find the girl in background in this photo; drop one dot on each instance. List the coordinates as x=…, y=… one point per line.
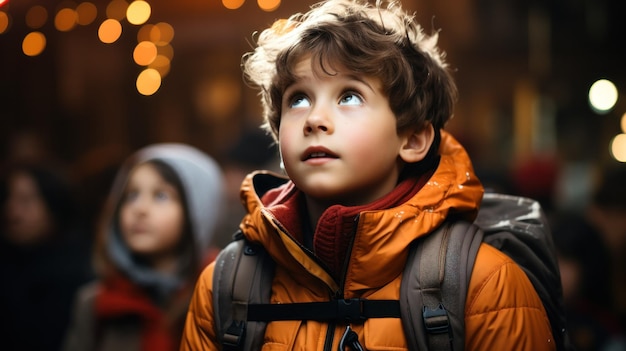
x=160, y=217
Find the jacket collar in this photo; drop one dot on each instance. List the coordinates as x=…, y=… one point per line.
x=381, y=235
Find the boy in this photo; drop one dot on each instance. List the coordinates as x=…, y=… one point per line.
x=355, y=96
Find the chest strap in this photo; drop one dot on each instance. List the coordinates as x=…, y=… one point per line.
x=350, y=310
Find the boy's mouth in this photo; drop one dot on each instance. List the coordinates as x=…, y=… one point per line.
x=317, y=152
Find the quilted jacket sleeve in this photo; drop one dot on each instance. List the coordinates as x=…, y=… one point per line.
x=503, y=311
x=199, y=333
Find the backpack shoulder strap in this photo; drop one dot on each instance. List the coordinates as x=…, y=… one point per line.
x=243, y=274
x=434, y=287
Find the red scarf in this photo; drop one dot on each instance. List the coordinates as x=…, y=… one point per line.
x=119, y=297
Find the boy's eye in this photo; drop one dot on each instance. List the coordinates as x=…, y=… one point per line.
x=299, y=101
x=350, y=99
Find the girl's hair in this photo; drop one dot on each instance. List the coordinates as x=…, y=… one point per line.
x=374, y=40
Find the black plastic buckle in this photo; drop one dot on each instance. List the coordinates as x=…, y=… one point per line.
x=436, y=319
x=234, y=335
x=350, y=310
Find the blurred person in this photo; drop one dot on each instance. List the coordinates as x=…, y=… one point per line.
x=160, y=217
x=44, y=257
x=253, y=150
x=585, y=268
x=607, y=213
x=536, y=177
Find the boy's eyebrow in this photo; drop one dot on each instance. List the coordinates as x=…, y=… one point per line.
x=297, y=79
x=361, y=80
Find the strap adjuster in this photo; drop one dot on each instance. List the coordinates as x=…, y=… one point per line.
x=436, y=319
x=234, y=336
x=351, y=310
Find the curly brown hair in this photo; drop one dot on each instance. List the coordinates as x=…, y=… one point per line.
x=378, y=41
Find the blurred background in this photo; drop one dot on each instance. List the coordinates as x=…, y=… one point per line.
x=541, y=111
x=85, y=83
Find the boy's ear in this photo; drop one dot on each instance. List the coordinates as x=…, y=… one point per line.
x=416, y=144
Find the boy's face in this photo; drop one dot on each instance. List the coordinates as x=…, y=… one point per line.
x=338, y=136
x=151, y=215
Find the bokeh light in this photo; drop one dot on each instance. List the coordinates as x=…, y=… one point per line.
x=161, y=64
x=65, y=20
x=268, y=5
x=162, y=33
x=116, y=9
x=87, y=13
x=602, y=95
x=5, y=21
x=618, y=147
x=36, y=17
x=110, y=30
x=145, y=52
x=34, y=43
x=148, y=81
x=623, y=123
x=232, y=4
x=143, y=34
x=166, y=51
x=138, y=12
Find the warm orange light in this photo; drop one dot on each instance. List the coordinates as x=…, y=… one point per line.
x=116, y=9
x=166, y=50
x=143, y=34
x=5, y=20
x=87, y=13
x=232, y=4
x=138, y=12
x=144, y=53
x=161, y=64
x=618, y=147
x=148, y=81
x=110, y=30
x=268, y=5
x=34, y=43
x=36, y=17
x=65, y=20
x=162, y=33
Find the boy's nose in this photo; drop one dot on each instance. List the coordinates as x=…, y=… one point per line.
x=319, y=120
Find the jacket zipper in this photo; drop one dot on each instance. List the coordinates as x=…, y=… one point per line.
x=330, y=332
x=339, y=294
x=328, y=341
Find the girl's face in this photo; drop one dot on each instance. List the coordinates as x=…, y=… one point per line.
x=338, y=137
x=151, y=214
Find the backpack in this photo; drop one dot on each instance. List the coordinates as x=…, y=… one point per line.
x=433, y=289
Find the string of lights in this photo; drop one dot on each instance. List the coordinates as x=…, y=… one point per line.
x=153, y=51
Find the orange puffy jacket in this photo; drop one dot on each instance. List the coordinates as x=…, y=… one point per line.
x=503, y=311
